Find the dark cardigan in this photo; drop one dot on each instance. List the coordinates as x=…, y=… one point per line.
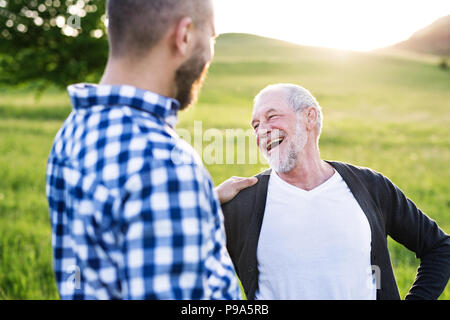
x=388, y=211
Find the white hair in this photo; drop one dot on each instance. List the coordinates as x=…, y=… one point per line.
x=297, y=97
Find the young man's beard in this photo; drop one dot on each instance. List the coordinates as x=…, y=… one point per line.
x=189, y=79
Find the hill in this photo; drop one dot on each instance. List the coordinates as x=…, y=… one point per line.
x=433, y=39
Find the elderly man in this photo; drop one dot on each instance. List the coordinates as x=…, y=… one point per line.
x=315, y=229
x=128, y=221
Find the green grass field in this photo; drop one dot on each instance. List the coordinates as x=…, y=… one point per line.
x=387, y=113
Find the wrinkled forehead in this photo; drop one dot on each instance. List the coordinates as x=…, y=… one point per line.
x=274, y=99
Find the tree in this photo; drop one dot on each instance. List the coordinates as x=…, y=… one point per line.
x=55, y=42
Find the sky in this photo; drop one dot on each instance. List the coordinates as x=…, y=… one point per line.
x=359, y=25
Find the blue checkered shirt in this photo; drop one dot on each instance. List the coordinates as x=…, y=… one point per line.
x=133, y=211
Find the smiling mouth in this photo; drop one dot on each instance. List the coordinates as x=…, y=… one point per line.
x=274, y=143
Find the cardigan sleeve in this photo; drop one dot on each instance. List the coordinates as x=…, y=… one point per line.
x=408, y=225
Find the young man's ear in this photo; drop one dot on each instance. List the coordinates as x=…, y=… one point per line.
x=183, y=35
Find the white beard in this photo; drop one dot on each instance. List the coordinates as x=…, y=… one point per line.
x=286, y=161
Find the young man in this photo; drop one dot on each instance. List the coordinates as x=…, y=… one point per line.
x=313, y=229
x=129, y=219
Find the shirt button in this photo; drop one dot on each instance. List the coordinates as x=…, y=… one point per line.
x=250, y=269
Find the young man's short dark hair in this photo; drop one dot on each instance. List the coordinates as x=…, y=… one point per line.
x=135, y=26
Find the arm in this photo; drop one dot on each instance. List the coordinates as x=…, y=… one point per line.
x=220, y=270
x=408, y=225
x=174, y=245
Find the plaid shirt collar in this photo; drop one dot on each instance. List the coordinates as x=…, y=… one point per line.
x=86, y=95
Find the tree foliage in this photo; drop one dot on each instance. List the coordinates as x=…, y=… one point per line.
x=52, y=41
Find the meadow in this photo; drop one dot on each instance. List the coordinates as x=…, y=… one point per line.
x=384, y=112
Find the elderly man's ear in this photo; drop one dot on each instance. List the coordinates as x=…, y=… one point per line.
x=229, y=189
x=311, y=118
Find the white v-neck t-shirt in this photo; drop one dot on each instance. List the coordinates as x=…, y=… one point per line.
x=314, y=244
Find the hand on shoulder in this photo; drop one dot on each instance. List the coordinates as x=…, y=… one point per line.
x=228, y=189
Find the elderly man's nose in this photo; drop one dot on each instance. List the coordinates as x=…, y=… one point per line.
x=263, y=132
x=264, y=128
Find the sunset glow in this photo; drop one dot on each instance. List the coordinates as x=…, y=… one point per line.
x=359, y=25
